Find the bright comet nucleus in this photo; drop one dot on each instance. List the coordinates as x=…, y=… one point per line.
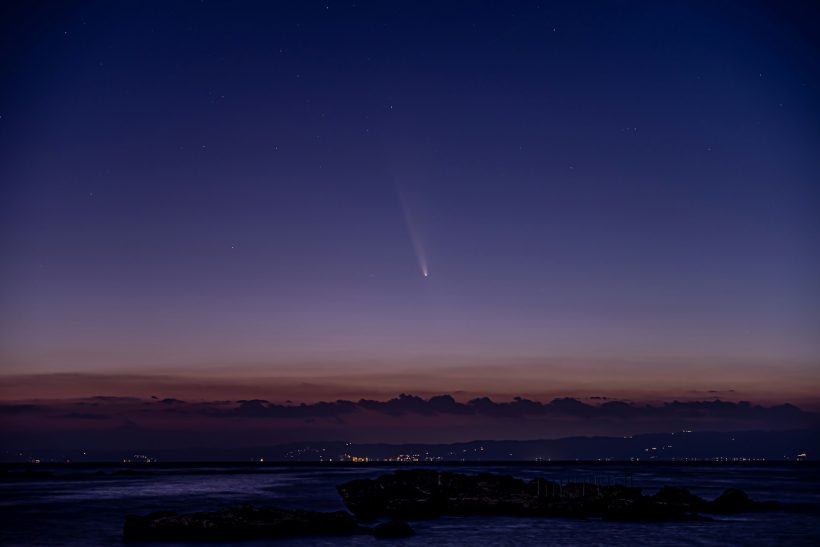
x=414, y=237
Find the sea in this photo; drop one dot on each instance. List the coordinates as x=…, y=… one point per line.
x=85, y=505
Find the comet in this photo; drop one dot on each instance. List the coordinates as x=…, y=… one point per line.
x=412, y=231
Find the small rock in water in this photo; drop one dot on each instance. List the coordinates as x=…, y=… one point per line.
x=393, y=529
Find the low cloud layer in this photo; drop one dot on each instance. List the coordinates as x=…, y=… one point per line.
x=112, y=421
x=404, y=405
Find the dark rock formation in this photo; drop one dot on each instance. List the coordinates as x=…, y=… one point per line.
x=734, y=500
x=237, y=524
x=413, y=494
x=678, y=497
x=393, y=529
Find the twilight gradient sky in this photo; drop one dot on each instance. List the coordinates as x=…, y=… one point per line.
x=611, y=198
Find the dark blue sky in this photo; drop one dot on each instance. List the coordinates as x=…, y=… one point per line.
x=618, y=195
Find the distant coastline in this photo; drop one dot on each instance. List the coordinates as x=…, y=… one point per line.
x=679, y=447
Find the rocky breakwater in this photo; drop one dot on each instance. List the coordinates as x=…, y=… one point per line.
x=414, y=494
x=239, y=523
x=418, y=494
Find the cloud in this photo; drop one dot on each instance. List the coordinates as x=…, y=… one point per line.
x=84, y=416
x=410, y=405
x=99, y=421
x=18, y=409
x=258, y=408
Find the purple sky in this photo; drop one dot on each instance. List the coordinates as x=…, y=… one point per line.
x=209, y=201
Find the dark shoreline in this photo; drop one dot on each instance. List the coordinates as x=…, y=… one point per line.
x=390, y=464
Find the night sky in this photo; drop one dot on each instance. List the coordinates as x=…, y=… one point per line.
x=312, y=200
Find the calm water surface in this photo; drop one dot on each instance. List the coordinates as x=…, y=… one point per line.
x=84, y=505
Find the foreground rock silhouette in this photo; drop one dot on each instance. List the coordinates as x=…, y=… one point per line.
x=393, y=529
x=239, y=523
x=417, y=494
x=414, y=494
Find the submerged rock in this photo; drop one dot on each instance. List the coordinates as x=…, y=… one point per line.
x=239, y=523
x=412, y=494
